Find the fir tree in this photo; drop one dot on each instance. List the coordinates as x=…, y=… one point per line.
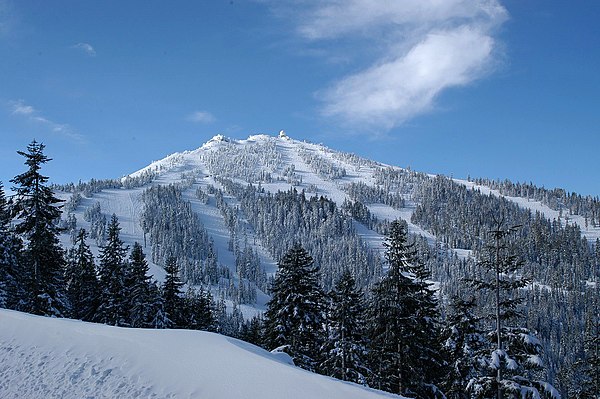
x=38, y=211
x=172, y=294
x=515, y=356
x=159, y=317
x=345, y=348
x=465, y=341
x=138, y=287
x=198, y=314
x=403, y=333
x=113, y=275
x=81, y=279
x=295, y=313
x=10, y=248
x=252, y=331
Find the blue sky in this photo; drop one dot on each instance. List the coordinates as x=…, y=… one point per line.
x=488, y=88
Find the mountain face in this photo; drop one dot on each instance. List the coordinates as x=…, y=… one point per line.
x=230, y=209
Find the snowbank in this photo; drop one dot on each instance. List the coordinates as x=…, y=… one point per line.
x=59, y=358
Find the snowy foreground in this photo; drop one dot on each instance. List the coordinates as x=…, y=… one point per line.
x=59, y=358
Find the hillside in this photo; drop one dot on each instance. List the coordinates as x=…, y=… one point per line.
x=230, y=209
x=58, y=358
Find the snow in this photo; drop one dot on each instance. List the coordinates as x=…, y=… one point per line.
x=60, y=358
x=590, y=233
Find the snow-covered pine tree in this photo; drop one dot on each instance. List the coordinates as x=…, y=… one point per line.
x=138, y=288
x=513, y=361
x=38, y=211
x=10, y=248
x=252, y=331
x=402, y=335
x=159, y=317
x=113, y=274
x=172, y=294
x=198, y=314
x=294, y=315
x=465, y=341
x=345, y=348
x=589, y=366
x=83, y=288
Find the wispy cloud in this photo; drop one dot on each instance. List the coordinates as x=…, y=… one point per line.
x=86, y=48
x=201, y=117
x=19, y=108
x=417, y=49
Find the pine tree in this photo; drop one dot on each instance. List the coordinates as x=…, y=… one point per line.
x=294, y=314
x=38, y=211
x=515, y=356
x=81, y=279
x=113, y=275
x=198, y=314
x=159, y=317
x=345, y=349
x=172, y=294
x=403, y=334
x=251, y=331
x=138, y=287
x=10, y=248
x=465, y=341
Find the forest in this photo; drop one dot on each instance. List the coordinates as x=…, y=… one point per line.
x=335, y=306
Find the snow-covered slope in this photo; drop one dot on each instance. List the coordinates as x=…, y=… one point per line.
x=286, y=163
x=58, y=358
x=589, y=232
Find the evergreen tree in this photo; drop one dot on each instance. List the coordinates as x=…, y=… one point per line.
x=251, y=331
x=159, y=317
x=465, y=341
x=82, y=283
x=113, y=275
x=38, y=212
x=10, y=248
x=172, y=294
x=345, y=348
x=138, y=287
x=198, y=314
x=515, y=356
x=589, y=366
x=294, y=314
x=403, y=333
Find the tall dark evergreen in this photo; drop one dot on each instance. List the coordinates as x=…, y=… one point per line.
x=10, y=248
x=138, y=288
x=82, y=282
x=37, y=211
x=113, y=275
x=172, y=294
x=198, y=312
x=346, y=347
x=295, y=313
x=404, y=338
x=513, y=362
x=465, y=342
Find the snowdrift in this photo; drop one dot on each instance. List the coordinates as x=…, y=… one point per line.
x=60, y=358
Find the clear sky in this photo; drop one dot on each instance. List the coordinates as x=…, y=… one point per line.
x=486, y=88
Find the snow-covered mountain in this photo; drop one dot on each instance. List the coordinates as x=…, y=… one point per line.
x=277, y=164
x=230, y=209
x=42, y=357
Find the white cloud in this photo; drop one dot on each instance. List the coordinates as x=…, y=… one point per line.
x=86, y=48
x=19, y=108
x=394, y=91
x=417, y=49
x=201, y=117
